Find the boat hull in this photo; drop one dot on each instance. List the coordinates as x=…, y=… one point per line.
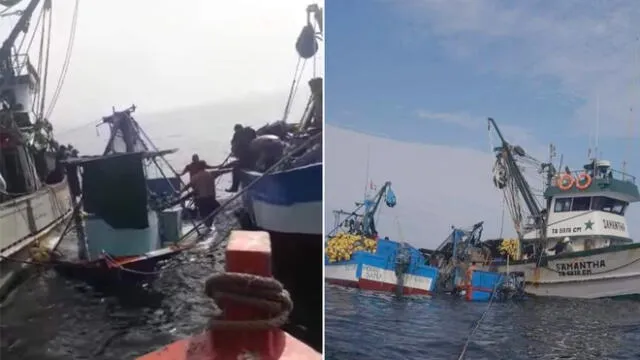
x=374, y=278
x=117, y=274
x=377, y=271
x=26, y=220
x=288, y=205
x=288, y=202
x=297, y=264
x=601, y=273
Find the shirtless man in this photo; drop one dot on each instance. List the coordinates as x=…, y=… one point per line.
x=203, y=184
x=195, y=166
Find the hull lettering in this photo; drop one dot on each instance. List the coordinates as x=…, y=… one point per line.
x=372, y=273
x=613, y=225
x=580, y=268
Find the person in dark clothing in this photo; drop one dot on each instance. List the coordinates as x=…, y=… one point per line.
x=196, y=166
x=241, y=150
x=58, y=172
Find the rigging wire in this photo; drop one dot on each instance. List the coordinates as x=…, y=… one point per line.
x=18, y=49
x=37, y=97
x=65, y=66
x=46, y=70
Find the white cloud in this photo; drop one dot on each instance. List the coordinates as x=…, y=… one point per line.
x=436, y=186
x=162, y=54
x=460, y=119
x=591, y=47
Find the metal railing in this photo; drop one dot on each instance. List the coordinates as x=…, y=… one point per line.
x=615, y=174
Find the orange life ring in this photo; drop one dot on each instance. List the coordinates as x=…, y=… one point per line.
x=565, y=182
x=583, y=181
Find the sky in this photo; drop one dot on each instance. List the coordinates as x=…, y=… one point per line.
x=410, y=85
x=164, y=55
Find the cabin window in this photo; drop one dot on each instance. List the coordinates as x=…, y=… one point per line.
x=562, y=205
x=582, y=203
x=606, y=204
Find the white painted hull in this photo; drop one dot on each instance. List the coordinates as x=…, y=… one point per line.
x=28, y=219
x=376, y=279
x=298, y=218
x=607, y=274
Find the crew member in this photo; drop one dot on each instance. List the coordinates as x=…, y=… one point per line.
x=469, y=273
x=203, y=184
x=240, y=148
x=195, y=166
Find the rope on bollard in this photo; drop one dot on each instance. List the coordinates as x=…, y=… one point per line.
x=260, y=292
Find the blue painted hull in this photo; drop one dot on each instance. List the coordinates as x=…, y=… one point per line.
x=287, y=202
x=377, y=272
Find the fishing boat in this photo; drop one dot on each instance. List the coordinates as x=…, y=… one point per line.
x=576, y=244
x=456, y=260
x=34, y=193
x=287, y=201
x=123, y=229
x=357, y=257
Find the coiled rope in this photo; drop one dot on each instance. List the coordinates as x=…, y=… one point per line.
x=257, y=291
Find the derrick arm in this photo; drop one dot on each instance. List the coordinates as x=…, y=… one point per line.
x=6, y=68
x=518, y=177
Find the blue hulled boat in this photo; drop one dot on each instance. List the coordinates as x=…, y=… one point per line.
x=357, y=257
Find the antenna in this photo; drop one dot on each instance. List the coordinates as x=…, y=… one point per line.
x=366, y=183
x=597, y=135
x=635, y=83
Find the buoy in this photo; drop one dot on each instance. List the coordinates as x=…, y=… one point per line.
x=248, y=253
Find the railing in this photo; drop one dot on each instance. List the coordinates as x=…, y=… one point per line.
x=21, y=65
x=615, y=174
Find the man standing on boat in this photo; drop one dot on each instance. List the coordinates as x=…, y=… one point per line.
x=203, y=184
x=196, y=166
x=240, y=148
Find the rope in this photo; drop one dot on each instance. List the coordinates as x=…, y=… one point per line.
x=257, y=291
x=484, y=314
x=297, y=75
x=67, y=59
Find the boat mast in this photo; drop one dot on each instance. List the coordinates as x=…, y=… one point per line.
x=7, y=70
x=520, y=181
x=370, y=209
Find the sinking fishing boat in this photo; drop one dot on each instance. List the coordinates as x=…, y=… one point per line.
x=456, y=259
x=283, y=194
x=357, y=257
x=34, y=194
x=123, y=229
x=577, y=244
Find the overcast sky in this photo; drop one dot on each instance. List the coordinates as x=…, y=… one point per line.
x=164, y=55
x=415, y=81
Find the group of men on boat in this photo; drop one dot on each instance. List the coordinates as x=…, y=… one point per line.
x=202, y=176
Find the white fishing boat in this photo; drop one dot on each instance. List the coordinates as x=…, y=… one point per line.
x=34, y=196
x=577, y=244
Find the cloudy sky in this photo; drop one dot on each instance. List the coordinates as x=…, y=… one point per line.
x=163, y=55
x=414, y=81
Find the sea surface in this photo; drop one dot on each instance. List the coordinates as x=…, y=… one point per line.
x=364, y=325
x=51, y=317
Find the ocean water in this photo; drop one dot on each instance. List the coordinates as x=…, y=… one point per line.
x=51, y=317
x=364, y=325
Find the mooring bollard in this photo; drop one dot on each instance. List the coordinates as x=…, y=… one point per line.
x=249, y=297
